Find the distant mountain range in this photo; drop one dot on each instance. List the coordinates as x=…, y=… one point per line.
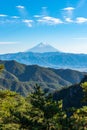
x=47, y=56
x=22, y=78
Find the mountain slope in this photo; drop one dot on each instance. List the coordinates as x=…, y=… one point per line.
x=22, y=78
x=72, y=96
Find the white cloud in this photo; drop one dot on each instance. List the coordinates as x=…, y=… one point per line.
x=80, y=20
x=9, y=21
x=50, y=20
x=28, y=22
x=3, y=15
x=37, y=16
x=44, y=11
x=69, y=8
x=69, y=20
x=5, y=43
x=15, y=17
x=23, y=12
x=68, y=14
x=20, y=7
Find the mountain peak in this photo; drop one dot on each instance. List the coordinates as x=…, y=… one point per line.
x=43, y=47
x=41, y=44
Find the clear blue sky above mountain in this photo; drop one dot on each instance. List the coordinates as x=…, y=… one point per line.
x=25, y=23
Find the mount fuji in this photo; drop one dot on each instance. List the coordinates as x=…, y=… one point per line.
x=47, y=56
x=43, y=47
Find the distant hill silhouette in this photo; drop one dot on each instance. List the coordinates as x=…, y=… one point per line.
x=50, y=59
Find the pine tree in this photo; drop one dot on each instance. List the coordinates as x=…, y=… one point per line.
x=45, y=113
x=79, y=118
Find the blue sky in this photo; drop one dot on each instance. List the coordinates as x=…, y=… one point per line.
x=25, y=23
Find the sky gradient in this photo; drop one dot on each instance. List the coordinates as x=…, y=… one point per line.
x=26, y=23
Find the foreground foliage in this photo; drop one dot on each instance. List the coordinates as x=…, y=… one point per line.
x=1, y=67
x=39, y=111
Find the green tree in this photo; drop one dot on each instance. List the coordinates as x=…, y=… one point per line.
x=1, y=67
x=45, y=113
x=79, y=118
x=84, y=86
x=11, y=104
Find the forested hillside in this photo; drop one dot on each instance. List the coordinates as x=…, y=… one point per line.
x=22, y=78
x=39, y=111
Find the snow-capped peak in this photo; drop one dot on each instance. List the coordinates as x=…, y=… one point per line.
x=42, y=44
x=43, y=47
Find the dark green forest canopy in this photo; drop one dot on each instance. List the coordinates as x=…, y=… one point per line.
x=39, y=111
